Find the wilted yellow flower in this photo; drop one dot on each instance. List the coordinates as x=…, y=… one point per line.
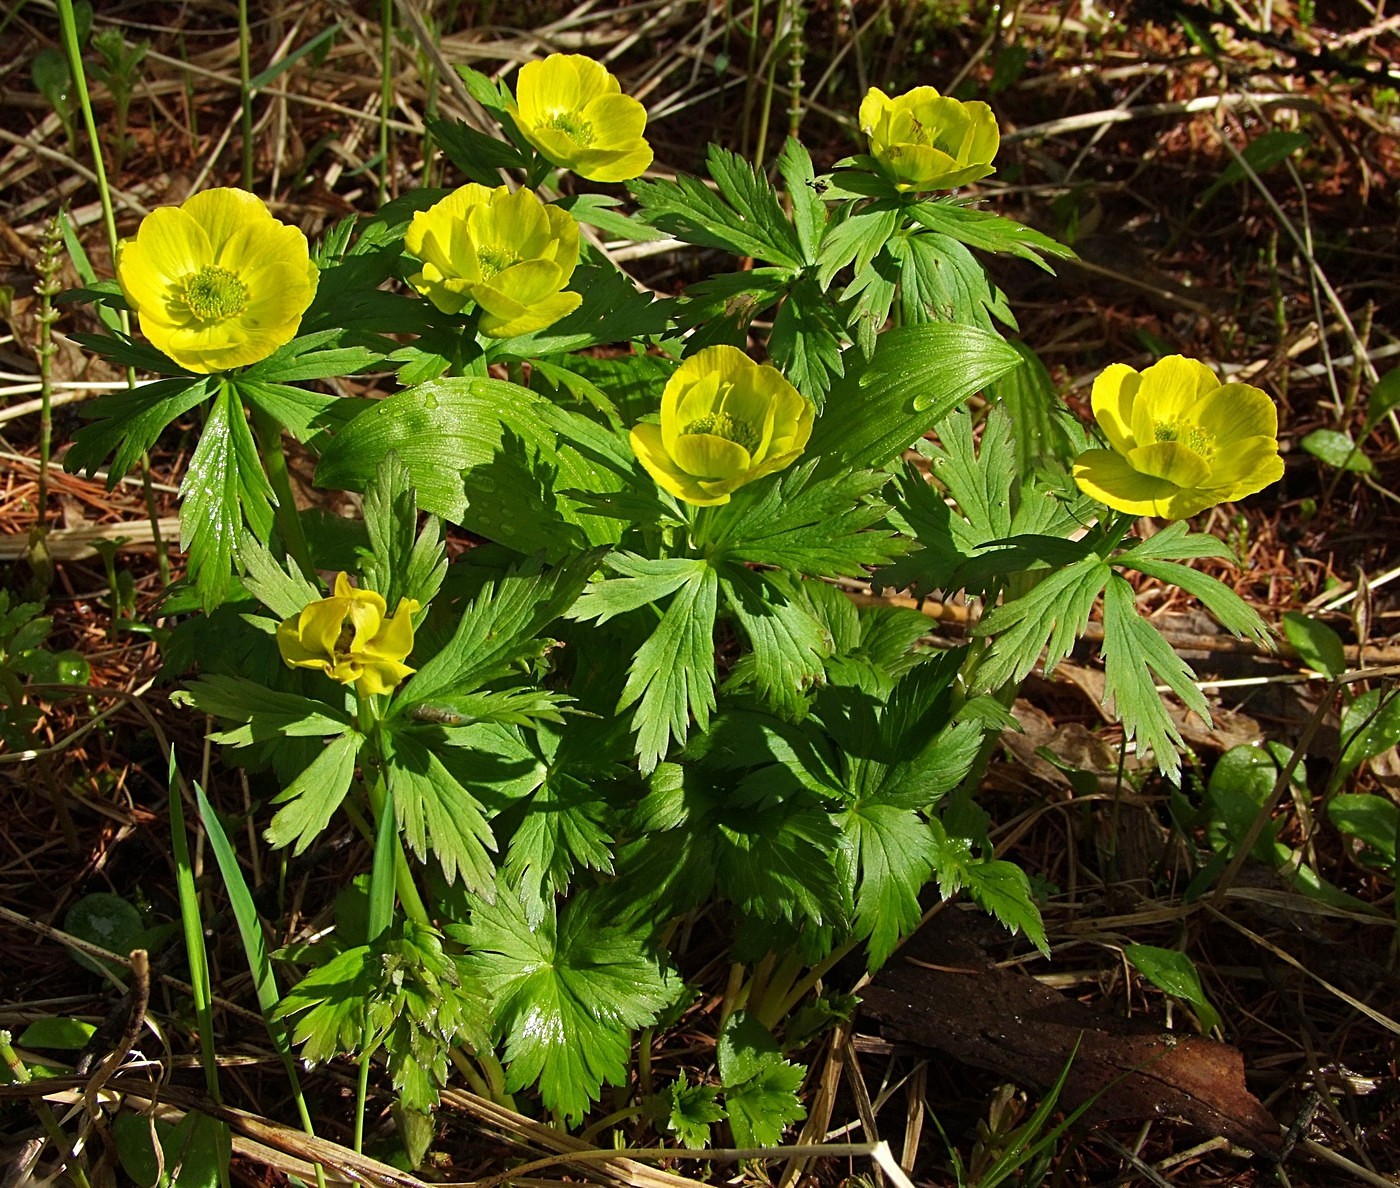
x=350, y=638
x=1182, y=441
x=217, y=282
x=572, y=110
x=725, y=421
x=927, y=141
x=510, y=253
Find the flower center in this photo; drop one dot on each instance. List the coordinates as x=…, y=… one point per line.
x=1193, y=437
x=741, y=433
x=577, y=129
x=492, y=260
x=215, y=294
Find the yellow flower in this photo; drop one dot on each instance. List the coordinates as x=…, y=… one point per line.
x=217, y=282
x=510, y=253
x=1182, y=441
x=572, y=110
x=725, y=421
x=350, y=638
x=927, y=141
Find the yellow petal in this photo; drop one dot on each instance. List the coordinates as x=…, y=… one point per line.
x=618, y=121
x=646, y=444
x=1171, y=460
x=1248, y=466
x=1114, y=392
x=1169, y=389
x=1232, y=412
x=615, y=166
x=1107, y=476
x=708, y=456
x=379, y=676
x=873, y=107
x=542, y=313
x=224, y=212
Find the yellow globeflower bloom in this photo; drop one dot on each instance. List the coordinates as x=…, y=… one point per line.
x=217, y=282
x=572, y=110
x=510, y=253
x=350, y=638
x=725, y=421
x=927, y=141
x=1182, y=441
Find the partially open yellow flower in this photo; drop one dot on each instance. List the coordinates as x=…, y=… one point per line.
x=510, y=253
x=217, y=282
x=572, y=110
x=725, y=421
x=927, y=141
x=1182, y=441
x=350, y=638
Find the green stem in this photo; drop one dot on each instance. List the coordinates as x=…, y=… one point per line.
x=269, y=435
x=386, y=91
x=407, y=889
x=361, y=1096
x=773, y=1006
x=47, y=1118
x=68, y=26
x=245, y=95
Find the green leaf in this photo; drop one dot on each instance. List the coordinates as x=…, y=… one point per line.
x=318, y=355
x=1384, y=397
x=491, y=456
x=806, y=524
x=1337, y=450
x=789, y=643
x=892, y=852
x=855, y=239
x=105, y=920
x=1003, y=889
x=744, y=218
x=672, y=676
x=264, y=713
x=808, y=210
x=283, y=590
x=1370, y=727
x=1239, y=784
x=1317, y=645
x=194, y=1152
x=126, y=424
x=316, y=46
x=1136, y=656
x=565, y=996
x=988, y=231
x=314, y=795
x=776, y=860
x=224, y=483
x=805, y=343
x=691, y=1110
x=760, y=1087
x=1261, y=154
x=644, y=582
x=1048, y=618
x=1174, y=973
x=479, y=156
x=403, y=563
x=940, y=280
x=498, y=628
x=335, y=997
x=436, y=814
x=1372, y=820
x=599, y=210
x=60, y=1033
x=562, y=830
x=308, y=416
x=1030, y=398
x=1234, y=613
x=917, y=375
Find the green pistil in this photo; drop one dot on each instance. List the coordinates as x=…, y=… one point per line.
x=1197, y=440
x=492, y=260
x=215, y=294
x=741, y=433
x=580, y=131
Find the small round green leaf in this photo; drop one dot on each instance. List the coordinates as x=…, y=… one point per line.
x=1336, y=449
x=1317, y=645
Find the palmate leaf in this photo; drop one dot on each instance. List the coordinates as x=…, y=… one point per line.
x=263, y=713
x=857, y=238
x=403, y=563
x=307, y=415
x=820, y=527
x=564, y=995
x=436, y=814
x=776, y=863
x=1136, y=657
x=644, y=581
x=760, y=1087
x=126, y=424
x=318, y=355
x=310, y=799
x=806, y=342
x=691, y=1111
x=890, y=852
x=225, y=484
x=496, y=629
x=1048, y=618
x=745, y=218
x=672, y=676
x=991, y=232
x=789, y=642
x=1003, y=889
x=562, y=830
x=940, y=280
x=281, y=588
